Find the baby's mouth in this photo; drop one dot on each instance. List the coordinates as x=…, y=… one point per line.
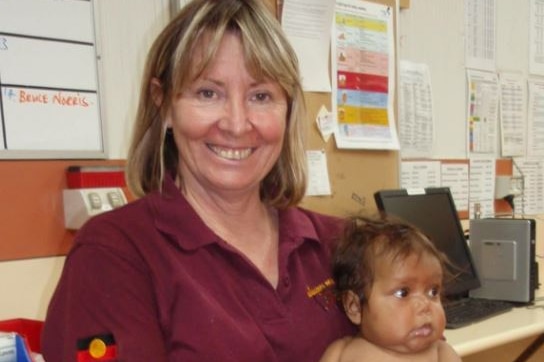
x=423, y=331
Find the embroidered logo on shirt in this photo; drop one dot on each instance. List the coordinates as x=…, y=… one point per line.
x=323, y=294
x=97, y=348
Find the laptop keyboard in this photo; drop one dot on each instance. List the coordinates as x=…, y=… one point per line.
x=466, y=311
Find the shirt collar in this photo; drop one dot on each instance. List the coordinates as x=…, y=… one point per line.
x=170, y=209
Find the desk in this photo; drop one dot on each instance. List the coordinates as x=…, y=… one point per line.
x=521, y=322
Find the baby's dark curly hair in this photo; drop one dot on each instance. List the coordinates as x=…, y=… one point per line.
x=366, y=241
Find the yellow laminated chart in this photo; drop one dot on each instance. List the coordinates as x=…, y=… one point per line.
x=363, y=81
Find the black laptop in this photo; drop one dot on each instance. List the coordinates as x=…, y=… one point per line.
x=433, y=211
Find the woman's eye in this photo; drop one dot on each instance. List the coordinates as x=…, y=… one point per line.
x=401, y=293
x=262, y=97
x=206, y=93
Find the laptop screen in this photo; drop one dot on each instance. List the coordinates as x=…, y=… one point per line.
x=433, y=211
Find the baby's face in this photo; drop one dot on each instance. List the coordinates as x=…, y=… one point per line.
x=404, y=312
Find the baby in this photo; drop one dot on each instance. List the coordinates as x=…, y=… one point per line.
x=389, y=278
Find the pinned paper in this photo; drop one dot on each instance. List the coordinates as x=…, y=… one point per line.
x=325, y=123
x=318, y=179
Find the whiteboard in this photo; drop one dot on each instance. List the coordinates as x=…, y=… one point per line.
x=49, y=92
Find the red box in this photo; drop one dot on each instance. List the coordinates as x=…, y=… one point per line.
x=79, y=177
x=30, y=329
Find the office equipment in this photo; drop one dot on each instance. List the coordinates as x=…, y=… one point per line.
x=91, y=190
x=78, y=177
x=504, y=254
x=469, y=310
x=433, y=211
x=82, y=204
x=504, y=329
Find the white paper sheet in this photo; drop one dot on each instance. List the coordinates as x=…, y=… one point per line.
x=416, y=121
x=482, y=111
x=480, y=34
x=513, y=98
x=307, y=24
x=482, y=186
x=318, y=179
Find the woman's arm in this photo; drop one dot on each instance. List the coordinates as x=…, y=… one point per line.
x=105, y=289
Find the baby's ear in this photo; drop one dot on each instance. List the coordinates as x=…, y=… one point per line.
x=352, y=306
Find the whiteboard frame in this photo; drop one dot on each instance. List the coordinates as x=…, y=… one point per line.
x=49, y=154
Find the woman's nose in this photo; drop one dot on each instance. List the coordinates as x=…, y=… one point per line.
x=236, y=117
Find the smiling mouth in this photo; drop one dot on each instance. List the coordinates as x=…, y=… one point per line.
x=231, y=154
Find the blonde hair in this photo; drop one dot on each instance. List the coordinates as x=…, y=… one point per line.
x=268, y=54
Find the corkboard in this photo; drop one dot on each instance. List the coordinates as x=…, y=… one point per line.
x=354, y=174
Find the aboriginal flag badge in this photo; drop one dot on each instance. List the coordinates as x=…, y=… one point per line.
x=101, y=347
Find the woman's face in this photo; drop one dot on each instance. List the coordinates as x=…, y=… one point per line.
x=228, y=127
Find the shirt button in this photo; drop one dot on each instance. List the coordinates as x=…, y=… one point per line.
x=286, y=282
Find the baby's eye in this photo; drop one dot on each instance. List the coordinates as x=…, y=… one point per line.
x=401, y=293
x=434, y=292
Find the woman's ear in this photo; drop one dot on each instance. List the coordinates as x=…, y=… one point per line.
x=155, y=90
x=352, y=307
x=157, y=96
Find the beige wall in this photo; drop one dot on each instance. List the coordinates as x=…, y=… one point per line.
x=27, y=286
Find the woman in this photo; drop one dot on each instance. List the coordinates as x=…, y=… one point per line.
x=214, y=261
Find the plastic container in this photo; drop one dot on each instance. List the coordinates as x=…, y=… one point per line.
x=80, y=177
x=29, y=329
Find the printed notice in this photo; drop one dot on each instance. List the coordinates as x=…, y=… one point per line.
x=536, y=118
x=455, y=176
x=318, y=179
x=531, y=172
x=307, y=24
x=512, y=114
x=483, y=111
x=480, y=34
x=363, y=75
x=536, y=37
x=416, y=123
x=420, y=174
x=482, y=186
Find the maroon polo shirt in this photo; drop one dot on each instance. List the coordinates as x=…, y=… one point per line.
x=161, y=286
